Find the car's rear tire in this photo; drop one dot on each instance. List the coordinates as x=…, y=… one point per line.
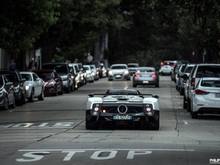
x=188, y=105
x=157, y=85
x=134, y=85
x=194, y=115
x=91, y=122
x=154, y=123
x=184, y=103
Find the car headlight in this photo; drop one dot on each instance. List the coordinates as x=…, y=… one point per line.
x=27, y=87
x=126, y=72
x=110, y=72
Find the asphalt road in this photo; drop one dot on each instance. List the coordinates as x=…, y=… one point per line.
x=52, y=132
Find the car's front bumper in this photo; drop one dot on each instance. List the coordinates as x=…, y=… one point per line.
x=119, y=77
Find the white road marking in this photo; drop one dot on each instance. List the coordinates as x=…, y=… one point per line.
x=32, y=157
x=97, y=155
x=110, y=149
x=70, y=154
x=132, y=153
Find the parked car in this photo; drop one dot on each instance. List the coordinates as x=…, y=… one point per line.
x=179, y=74
x=18, y=83
x=166, y=70
x=53, y=82
x=64, y=71
x=34, y=86
x=173, y=74
x=132, y=68
x=7, y=97
x=118, y=72
x=185, y=83
x=75, y=72
x=95, y=72
x=88, y=73
x=200, y=71
x=102, y=71
x=206, y=97
x=123, y=106
x=145, y=76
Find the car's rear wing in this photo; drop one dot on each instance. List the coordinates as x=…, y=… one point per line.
x=104, y=95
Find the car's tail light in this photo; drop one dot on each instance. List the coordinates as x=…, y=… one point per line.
x=154, y=76
x=200, y=92
x=137, y=75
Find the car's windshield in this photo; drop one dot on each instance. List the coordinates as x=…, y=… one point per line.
x=27, y=77
x=188, y=69
x=45, y=76
x=122, y=92
x=118, y=67
x=146, y=69
x=132, y=65
x=86, y=67
x=211, y=83
x=208, y=71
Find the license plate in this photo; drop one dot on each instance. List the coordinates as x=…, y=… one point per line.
x=118, y=76
x=122, y=117
x=145, y=82
x=217, y=95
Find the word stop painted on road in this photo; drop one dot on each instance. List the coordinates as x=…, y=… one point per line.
x=37, y=155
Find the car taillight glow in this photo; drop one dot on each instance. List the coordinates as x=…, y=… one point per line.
x=153, y=75
x=201, y=92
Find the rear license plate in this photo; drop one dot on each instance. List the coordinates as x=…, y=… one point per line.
x=217, y=95
x=122, y=117
x=118, y=76
x=145, y=82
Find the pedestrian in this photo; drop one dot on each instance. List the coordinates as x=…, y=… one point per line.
x=12, y=66
x=32, y=65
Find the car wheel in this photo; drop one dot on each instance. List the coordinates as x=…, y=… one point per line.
x=6, y=104
x=31, y=98
x=23, y=100
x=134, y=85
x=155, y=121
x=91, y=122
x=157, y=85
x=60, y=92
x=41, y=96
x=194, y=115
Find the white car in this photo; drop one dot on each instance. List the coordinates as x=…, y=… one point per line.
x=206, y=97
x=166, y=70
x=123, y=106
x=89, y=75
x=118, y=72
x=34, y=86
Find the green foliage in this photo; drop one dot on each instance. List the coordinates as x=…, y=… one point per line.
x=22, y=22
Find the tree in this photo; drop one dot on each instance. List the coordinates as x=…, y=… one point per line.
x=22, y=22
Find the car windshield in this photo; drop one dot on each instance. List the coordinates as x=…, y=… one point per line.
x=147, y=69
x=188, y=69
x=45, y=76
x=119, y=67
x=122, y=92
x=1, y=81
x=208, y=71
x=86, y=67
x=211, y=83
x=27, y=77
x=12, y=78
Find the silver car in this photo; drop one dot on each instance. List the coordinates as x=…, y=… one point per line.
x=34, y=86
x=118, y=72
x=89, y=76
x=206, y=97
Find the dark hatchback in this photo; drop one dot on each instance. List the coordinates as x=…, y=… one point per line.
x=53, y=82
x=18, y=83
x=7, y=97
